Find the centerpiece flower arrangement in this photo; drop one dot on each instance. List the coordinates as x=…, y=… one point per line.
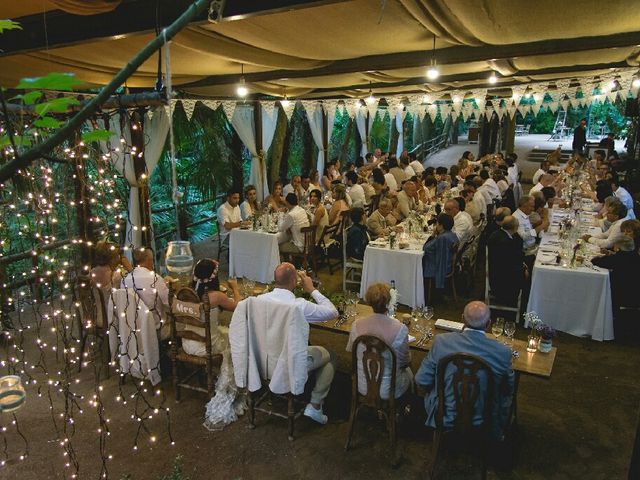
x=547, y=333
x=541, y=335
x=392, y=239
x=393, y=300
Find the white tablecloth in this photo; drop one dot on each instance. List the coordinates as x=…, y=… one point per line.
x=253, y=255
x=575, y=301
x=403, y=266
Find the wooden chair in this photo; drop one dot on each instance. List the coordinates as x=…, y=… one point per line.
x=450, y=276
x=350, y=266
x=308, y=254
x=466, y=386
x=91, y=311
x=187, y=309
x=222, y=244
x=490, y=299
x=373, y=366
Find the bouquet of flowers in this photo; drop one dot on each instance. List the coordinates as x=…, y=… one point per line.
x=546, y=332
x=533, y=320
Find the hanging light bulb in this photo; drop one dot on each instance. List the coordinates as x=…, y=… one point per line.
x=285, y=102
x=433, y=72
x=426, y=99
x=242, y=89
x=527, y=95
x=493, y=79
x=636, y=83
x=612, y=84
x=370, y=99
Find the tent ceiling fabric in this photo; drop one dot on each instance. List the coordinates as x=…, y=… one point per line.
x=313, y=38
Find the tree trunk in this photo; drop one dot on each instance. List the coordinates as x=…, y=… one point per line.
x=394, y=136
x=510, y=136
x=344, y=151
x=277, y=148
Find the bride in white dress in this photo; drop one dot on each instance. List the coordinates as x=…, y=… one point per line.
x=226, y=405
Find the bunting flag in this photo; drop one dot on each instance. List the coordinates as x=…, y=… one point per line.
x=465, y=114
x=373, y=108
x=432, y=110
x=288, y=108
x=574, y=102
x=612, y=96
x=454, y=115
x=523, y=109
x=564, y=104
x=535, y=108
x=553, y=106
x=269, y=107
x=445, y=110
x=422, y=111
x=511, y=109
x=229, y=107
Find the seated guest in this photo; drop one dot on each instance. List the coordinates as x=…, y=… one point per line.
x=381, y=221
x=339, y=205
x=624, y=265
x=393, y=333
x=150, y=286
x=544, y=168
x=437, y=261
x=546, y=180
x=463, y=224
x=624, y=196
x=470, y=207
x=507, y=271
x=477, y=197
x=357, y=236
x=356, y=192
x=408, y=169
x=389, y=178
x=454, y=175
x=539, y=209
x=378, y=181
x=305, y=189
x=526, y=231
x=549, y=194
x=442, y=179
x=275, y=202
x=616, y=214
x=314, y=180
x=496, y=223
x=430, y=186
x=490, y=186
x=631, y=228
x=229, y=216
x=320, y=216
x=471, y=340
x=396, y=171
x=415, y=164
x=109, y=267
x=408, y=201
x=367, y=188
x=293, y=187
x=319, y=359
x=512, y=169
x=290, y=238
x=205, y=280
x=250, y=204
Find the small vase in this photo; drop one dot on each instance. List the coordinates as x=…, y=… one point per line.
x=545, y=345
x=532, y=342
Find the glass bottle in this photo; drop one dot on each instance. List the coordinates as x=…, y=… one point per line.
x=179, y=262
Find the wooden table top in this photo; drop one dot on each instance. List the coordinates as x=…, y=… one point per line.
x=539, y=364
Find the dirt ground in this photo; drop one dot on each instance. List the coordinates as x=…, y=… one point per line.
x=580, y=423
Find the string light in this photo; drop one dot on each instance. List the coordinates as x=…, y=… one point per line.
x=242, y=89
x=433, y=72
x=636, y=83
x=493, y=79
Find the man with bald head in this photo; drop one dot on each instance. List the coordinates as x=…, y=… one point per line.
x=462, y=221
x=507, y=270
x=408, y=201
x=546, y=180
x=319, y=359
x=471, y=340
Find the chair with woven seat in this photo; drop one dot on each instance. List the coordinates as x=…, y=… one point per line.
x=466, y=384
x=188, y=309
x=376, y=353
x=308, y=254
x=92, y=315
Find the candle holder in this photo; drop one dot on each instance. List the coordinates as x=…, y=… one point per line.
x=532, y=343
x=12, y=393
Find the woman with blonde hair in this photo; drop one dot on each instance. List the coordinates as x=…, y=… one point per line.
x=109, y=266
x=339, y=204
x=275, y=201
x=391, y=332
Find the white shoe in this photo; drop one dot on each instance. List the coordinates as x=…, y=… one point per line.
x=315, y=414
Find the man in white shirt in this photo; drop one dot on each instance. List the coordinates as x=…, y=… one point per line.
x=546, y=180
x=389, y=179
x=290, y=238
x=490, y=184
x=525, y=230
x=150, y=287
x=319, y=359
x=624, y=196
x=478, y=199
x=409, y=172
x=229, y=216
x=408, y=201
x=415, y=164
x=305, y=189
x=544, y=168
x=293, y=187
x=462, y=221
x=512, y=170
x=355, y=190
x=470, y=207
x=616, y=214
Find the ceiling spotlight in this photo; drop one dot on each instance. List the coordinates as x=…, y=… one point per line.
x=527, y=95
x=242, y=89
x=370, y=99
x=493, y=79
x=285, y=101
x=636, y=83
x=456, y=99
x=433, y=72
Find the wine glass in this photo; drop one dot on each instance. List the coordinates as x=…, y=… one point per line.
x=510, y=330
x=497, y=327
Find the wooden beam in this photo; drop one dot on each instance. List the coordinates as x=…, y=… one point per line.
x=445, y=56
x=60, y=29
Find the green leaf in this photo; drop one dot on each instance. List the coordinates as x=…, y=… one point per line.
x=53, y=81
x=97, y=136
x=19, y=139
x=47, y=122
x=31, y=97
x=9, y=25
x=56, y=105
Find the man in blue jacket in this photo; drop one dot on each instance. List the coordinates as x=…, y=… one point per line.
x=471, y=340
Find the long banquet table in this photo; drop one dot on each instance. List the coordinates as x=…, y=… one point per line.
x=574, y=300
x=253, y=254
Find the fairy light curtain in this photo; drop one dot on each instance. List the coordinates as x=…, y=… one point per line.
x=156, y=126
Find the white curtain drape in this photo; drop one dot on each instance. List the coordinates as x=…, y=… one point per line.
x=315, y=125
x=156, y=126
x=399, y=126
x=361, y=123
x=244, y=124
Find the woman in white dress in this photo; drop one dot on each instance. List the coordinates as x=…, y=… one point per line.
x=320, y=216
x=250, y=204
x=205, y=280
